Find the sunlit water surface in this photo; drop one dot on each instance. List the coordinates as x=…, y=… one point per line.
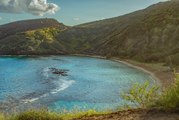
x=91, y=83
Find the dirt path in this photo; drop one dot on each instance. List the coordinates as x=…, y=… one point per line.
x=138, y=114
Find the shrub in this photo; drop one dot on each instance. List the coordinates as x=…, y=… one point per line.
x=173, y=59
x=79, y=114
x=147, y=96
x=47, y=115
x=2, y=117
x=170, y=97
x=142, y=95
x=36, y=115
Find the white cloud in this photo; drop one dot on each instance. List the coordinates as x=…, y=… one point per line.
x=76, y=19
x=35, y=7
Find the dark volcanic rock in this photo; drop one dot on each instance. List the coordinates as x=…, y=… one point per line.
x=61, y=72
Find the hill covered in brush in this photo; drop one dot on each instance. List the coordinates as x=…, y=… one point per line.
x=31, y=37
x=148, y=35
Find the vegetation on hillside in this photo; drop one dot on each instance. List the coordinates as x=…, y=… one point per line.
x=28, y=25
x=142, y=95
x=45, y=34
x=147, y=96
x=39, y=41
x=170, y=97
x=47, y=115
x=149, y=35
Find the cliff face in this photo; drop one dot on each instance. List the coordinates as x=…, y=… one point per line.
x=147, y=35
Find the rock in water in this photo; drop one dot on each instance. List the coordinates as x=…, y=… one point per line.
x=62, y=72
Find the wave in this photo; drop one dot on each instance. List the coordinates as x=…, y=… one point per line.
x=46, y=72
x=61, y=83
x=30, y=100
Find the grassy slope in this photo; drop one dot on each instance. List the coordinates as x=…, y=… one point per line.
x=27, y=25
x=135, y=114
x=147, y=35
x=31, y=37
x=46, y=115
x=39, y=41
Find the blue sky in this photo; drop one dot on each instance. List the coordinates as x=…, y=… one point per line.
x=73, y=12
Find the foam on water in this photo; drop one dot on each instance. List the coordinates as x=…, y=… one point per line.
x=62, y=85
x=94, y=82
x=30, y=100
x=46, y=72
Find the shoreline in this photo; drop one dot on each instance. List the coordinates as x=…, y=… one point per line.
x=163, y=73
x=163, y=77
x=156, y=79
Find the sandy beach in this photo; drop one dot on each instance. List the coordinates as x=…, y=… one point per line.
x=158, y=71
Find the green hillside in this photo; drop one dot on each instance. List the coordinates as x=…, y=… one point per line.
x=149, y=35
x=40, y=40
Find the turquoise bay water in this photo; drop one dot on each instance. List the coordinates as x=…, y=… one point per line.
x=91, y=83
